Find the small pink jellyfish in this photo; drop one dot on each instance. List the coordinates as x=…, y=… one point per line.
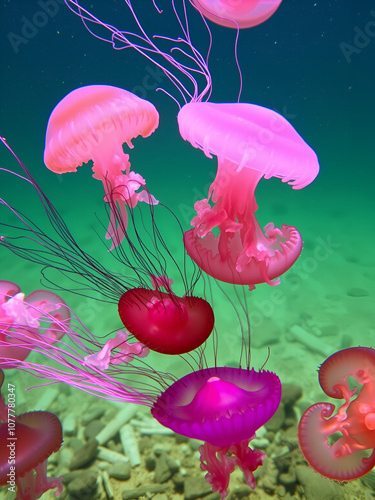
x=239, y=13
x=341, y=446
x=18, y=313
x=92, y=123
x=250, y=142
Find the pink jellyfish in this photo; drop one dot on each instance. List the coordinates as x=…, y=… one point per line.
x=161, y=320
x=239, y=13
x=341, y=446
x=250, y=142
x=223, y=406
x=31, y=438
x=16, y=314
x=92, y=123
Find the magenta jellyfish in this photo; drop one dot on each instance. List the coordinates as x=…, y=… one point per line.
x=223, y=406
x=250, y=142
x=237, y=14
x=161, y=320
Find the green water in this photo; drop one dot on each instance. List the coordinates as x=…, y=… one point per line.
x=294, y=64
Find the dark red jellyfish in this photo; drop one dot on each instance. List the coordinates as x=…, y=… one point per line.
x=161, y=320
x=92, y=123
x=151, y=316
x=239, y=13
x=250, y=142
x=31, y=438
x=339, y=441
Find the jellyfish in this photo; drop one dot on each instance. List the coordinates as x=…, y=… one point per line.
x=220, y=405
x=340, y=444
x=15, y=313
x=250, y=142
x=36, y=435
x=92, y=123
x=161, y=320
x=239, y=14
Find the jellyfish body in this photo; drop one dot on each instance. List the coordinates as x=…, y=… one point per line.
x=224, y=407
x=164, y=322
x=92, y=123
x=16, y=314
x=39, y=434
x=241, y=14
x=341, y=445
x=250, y=142
x=31, y=438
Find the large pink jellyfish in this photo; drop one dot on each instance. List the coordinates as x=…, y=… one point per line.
x=250, y=142
x=239, y=13
x=92, y=123
x=31, y=438
x=16, y=314
x=222, y=406
x=161, y=320
x=341, y=445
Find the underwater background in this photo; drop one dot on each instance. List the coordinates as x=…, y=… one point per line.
x=312, y=62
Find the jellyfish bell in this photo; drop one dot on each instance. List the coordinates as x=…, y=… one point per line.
x=92, y=123
x=250, y=142
x=237, y=13
x=164, y=322
x=223, y=407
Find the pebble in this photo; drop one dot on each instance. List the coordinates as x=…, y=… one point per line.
x=85, y=486
x=111, y=456
x=146, y=490
x=120, y=471
x=93, y=429
x=276, y=422
x=84, y=455
x=69, y=424
x=196, y=487
x=94, y=413
x=165, y=468
x=107, y=486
